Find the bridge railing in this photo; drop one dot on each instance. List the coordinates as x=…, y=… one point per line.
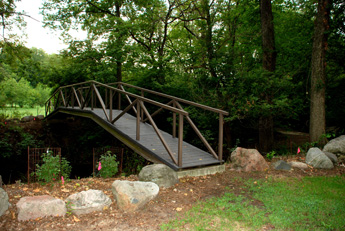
x=92, y=94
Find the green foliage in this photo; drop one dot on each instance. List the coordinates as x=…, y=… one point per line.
x=109, y=165
x=270, y=155
x=52, y=168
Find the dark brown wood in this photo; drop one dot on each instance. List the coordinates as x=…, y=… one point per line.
x=153, y=124
x=220, y=137
x=202, y=138
x=145, y=139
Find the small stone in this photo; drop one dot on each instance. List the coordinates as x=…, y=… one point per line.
x=281, y=165
x=300, y=165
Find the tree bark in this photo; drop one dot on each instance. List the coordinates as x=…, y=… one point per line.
x=317, y=125
x=266, y=135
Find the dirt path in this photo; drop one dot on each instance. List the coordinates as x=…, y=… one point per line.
x=166, y=206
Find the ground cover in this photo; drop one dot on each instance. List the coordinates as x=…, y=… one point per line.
x=228, y=201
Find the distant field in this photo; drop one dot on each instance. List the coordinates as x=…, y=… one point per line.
x=9, y=112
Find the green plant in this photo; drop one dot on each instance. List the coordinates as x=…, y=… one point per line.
x=69, y=207
x=109, y=165
x=52, y=168
x=270, y=155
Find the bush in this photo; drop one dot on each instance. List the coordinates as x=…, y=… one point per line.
x=52, y=168
x=109, y=165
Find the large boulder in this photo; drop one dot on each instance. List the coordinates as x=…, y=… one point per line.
x=40, y=206
x=316, y=158
x=3, y=201
x=133, y=195
x=248, y=160
x=160, y=174
x=336, y=146
x=88, y=201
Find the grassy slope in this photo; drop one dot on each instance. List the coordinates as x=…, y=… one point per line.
x=311, y=203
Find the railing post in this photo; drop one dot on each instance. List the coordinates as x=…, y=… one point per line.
x=119, y=98
x=66, y=103
x=72, y=98
x=174, y=121
x=220, y=144
x=110, y=105
x=138, y=121
x=106, y=97
x=180, y=139
x=142, y=112
x=91, y=89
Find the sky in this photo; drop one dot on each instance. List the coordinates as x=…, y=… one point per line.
x=37, y=36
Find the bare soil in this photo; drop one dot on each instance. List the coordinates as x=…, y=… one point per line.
x=168, y=205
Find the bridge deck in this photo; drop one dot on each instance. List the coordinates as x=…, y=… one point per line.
x=149, y=144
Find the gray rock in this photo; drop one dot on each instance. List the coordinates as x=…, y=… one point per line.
x=282, y=165
x=248, y=160
x=3, y=201
x=332, y=157
x=88, y=201
x=300, y=165
x=316, y=158
x=160, y=174
x=133, y=195
x=40, y=206
x=27, y=118
x=336, y=146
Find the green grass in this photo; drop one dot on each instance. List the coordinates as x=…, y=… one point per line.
x=311, y=203
x=9, y=112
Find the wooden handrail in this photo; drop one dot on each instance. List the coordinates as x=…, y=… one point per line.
x=67, y=95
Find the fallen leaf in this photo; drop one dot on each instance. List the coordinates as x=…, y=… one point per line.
x=13, y=215
x=76, y=219
x=178, y=209
x=186, y=194
x=37, y=190
x=65, y=190
x=18, y=196
x=25, y=189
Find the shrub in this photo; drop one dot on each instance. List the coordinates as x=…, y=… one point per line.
x=52, y=168
x=109, y=165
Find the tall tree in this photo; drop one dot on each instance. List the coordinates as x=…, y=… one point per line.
x=318, y=73
x=266, y=138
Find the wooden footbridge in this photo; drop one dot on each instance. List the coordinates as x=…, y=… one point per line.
x=125, y=115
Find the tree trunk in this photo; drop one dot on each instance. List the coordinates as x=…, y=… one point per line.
x=318, y=74
x=266, y=137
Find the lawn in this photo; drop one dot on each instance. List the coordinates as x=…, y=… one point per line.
x=310, y=203
x=9, y=112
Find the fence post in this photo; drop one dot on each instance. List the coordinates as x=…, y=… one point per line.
x=174, y=120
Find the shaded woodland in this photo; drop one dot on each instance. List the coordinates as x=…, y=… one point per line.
x=273, y=65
